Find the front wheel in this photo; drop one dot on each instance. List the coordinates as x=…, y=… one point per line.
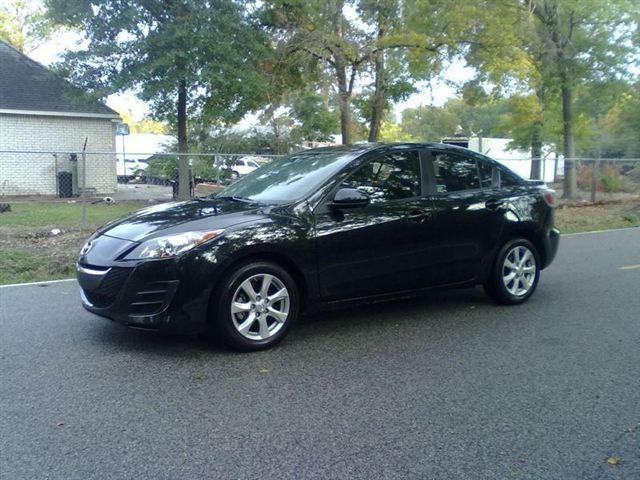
x=256, y=306
x=515, y=273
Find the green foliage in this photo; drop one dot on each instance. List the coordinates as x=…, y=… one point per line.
x=431, y=123
x=144, y=125
x=610, y=180
x=24, y=24
x=315, y=119
x=153, y=46
x=621, y=126
x=162, y=166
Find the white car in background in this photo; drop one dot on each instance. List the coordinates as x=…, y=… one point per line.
x=242, y=166
x=130, y=167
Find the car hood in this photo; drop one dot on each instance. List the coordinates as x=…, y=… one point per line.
x=177, y=217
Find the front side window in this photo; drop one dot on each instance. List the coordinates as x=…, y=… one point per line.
x=454, y=173
x=392, y=176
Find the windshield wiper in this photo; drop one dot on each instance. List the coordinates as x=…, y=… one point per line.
x=236, y=198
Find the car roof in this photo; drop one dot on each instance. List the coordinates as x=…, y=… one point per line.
x=368, y=147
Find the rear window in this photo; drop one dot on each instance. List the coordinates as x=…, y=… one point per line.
x=454, y=173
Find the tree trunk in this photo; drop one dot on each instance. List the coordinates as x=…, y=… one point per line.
x=184, y=188
x=344, y=100
x=379, y=94
x=570, y=180
x=344, y=87
x=536, y=151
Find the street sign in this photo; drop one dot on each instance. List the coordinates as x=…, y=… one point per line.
x=122, y=129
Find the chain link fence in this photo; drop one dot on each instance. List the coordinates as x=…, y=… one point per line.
x=51, y=201
x=89, y=178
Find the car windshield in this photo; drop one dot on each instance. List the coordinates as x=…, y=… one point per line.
x=290, y=178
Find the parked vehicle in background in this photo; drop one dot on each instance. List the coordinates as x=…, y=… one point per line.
x=130, y=168
x=242, y=166
x=329, y=226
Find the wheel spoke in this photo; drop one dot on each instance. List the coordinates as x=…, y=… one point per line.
x=527, y=283
x=279, y=295
x=529, y=269
x=239, y=307
x=526, y=257
x=266, y=283
x=264, y=327
x=509, y=264
x=278, y=315
x=246, y=325
x=247, y=288
x=508, y=278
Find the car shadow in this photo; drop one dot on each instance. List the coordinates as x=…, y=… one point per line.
x=433, y=308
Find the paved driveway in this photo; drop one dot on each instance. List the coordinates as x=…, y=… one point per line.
x=445, y=387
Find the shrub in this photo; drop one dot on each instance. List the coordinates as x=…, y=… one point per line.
x=610, y=180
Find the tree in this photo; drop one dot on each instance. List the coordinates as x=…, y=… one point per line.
x=144, y=125
x=315, y=35
x=582, y=39
x=24, y=24
x=188, y=58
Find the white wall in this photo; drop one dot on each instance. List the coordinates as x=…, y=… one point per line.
x=35, y=174
x=517, y=160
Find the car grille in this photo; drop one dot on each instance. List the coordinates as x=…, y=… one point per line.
x=111, y=284
x=152, y=298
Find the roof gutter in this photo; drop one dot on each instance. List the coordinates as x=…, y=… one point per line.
x=44, y=113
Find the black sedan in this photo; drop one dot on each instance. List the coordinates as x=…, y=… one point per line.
x=323, y=227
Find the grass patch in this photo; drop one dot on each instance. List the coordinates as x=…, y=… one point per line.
x=61, y=214
x=598, y=217
x=20, y=266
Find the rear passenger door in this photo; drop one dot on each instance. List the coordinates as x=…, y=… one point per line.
x=468, y=219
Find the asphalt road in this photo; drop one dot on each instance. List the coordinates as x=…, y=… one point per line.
x=445, y=387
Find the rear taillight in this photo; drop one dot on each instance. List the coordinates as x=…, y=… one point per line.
x=549, y=197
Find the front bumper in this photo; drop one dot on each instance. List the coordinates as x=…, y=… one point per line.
x=150, y=295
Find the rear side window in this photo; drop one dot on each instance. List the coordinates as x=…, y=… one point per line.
x=454, y=173
x=507, y=179
x=393, y=176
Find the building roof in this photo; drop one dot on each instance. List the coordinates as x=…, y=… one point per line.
x=28, y=86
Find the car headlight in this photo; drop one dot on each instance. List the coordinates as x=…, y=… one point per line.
x=171, y=245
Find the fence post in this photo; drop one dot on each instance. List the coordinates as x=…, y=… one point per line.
x=83, y=195
x=594, y=180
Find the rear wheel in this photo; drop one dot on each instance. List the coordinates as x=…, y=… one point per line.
x=515, y=274
x=256, y=306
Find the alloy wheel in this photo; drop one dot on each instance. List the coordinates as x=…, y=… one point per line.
x=260, y=306
x=519, y=271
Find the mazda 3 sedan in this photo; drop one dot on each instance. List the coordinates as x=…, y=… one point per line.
x=321, y=228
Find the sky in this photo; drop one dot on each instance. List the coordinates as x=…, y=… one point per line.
x=436, y=93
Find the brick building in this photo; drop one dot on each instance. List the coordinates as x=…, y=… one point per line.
x=41, y=112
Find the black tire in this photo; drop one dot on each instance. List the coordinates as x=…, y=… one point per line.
x=224, y=324
x=495, y=285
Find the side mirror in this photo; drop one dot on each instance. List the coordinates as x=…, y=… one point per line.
x=350, y=198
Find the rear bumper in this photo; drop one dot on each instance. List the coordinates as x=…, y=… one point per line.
x=150, y=296
x=551, y=243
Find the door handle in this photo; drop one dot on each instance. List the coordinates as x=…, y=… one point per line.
x=417, y=215
x=493, y=203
